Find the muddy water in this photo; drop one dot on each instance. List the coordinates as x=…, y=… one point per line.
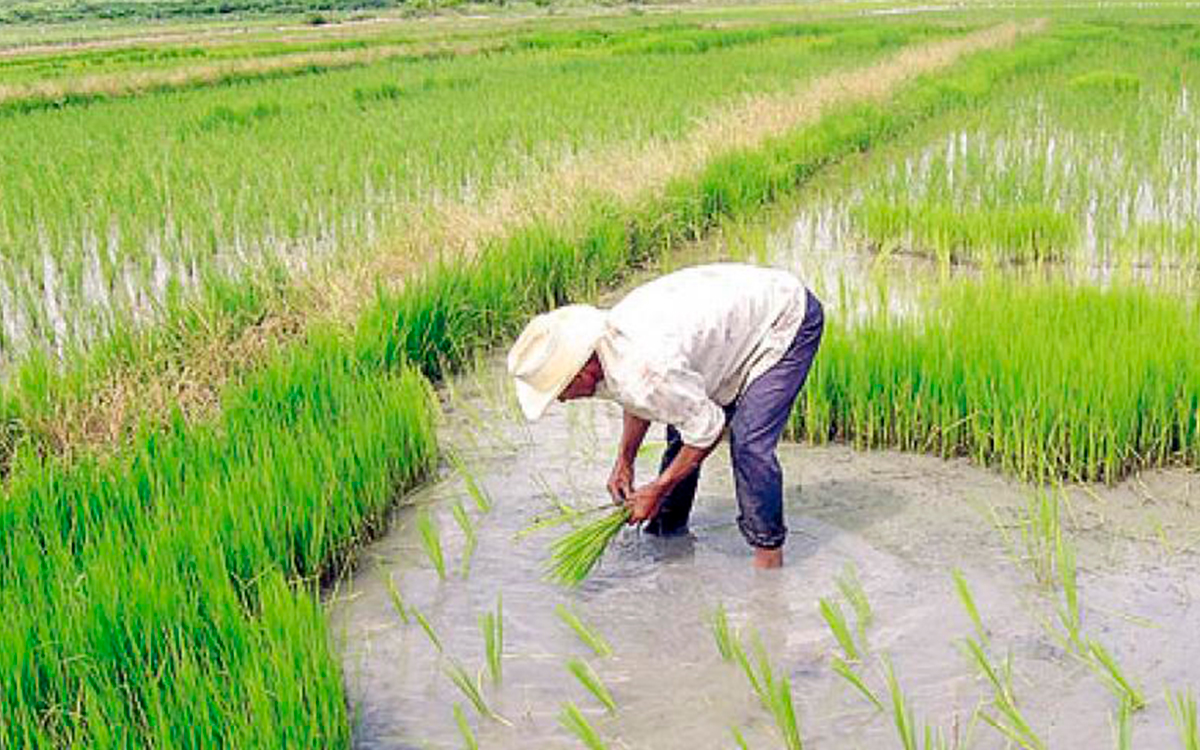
x=902, y=521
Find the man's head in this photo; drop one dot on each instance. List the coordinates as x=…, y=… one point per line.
x=554, y=358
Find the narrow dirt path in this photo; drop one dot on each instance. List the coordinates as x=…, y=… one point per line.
x=191, y=377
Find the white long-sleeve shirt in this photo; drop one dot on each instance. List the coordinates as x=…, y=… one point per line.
x=683, y=346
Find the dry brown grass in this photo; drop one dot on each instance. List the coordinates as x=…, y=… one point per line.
x=192, y=379
x=127, y=84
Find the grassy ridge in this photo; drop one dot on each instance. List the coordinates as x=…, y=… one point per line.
x=162, y=595
x=1042, y=379
x=166, y=595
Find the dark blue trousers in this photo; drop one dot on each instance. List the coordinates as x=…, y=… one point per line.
x=756, y=421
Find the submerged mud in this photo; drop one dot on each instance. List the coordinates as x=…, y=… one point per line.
x=904, y=522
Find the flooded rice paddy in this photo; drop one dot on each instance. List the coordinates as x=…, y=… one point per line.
x=902, y=522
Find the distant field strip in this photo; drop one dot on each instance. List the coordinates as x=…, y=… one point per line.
x=191, y=378
x=627, y=173
x=27, y=96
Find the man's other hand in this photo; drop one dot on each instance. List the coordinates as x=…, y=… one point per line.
x=620, y=482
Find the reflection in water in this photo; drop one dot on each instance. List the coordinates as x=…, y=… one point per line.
x=902, y=521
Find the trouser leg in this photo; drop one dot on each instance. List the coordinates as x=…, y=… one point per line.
x=673, y=514
x=754, y=431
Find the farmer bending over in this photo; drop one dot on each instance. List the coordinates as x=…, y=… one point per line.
x=698, y=349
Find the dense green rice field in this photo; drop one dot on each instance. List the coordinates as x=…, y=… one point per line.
x=160, y=585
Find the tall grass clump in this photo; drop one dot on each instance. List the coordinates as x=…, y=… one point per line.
x=1008, y=373
x=574, y=555
x=177, y=578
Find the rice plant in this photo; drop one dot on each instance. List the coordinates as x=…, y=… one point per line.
x=482, y=501
x=470, y=689
x=856, y=681
x=431, y=541
x=831, y=612
x=1122, y=726
x=854, y=593
x=775, y=693
x=464, y=728
x=1007, y=719
x=589, y=636
x=397, y=599
x=590, y=680
x=1183, y=712
x=738, y=739
x=574, y=555
x=427, y=627
x=469, y=541
x=722, y=634
x=1068, y=613
x=968, y=602
x=573, y=720
x=492, y=625
x=1114, y=676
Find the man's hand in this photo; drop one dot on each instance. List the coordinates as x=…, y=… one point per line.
x=644, y=502
x=620, y=482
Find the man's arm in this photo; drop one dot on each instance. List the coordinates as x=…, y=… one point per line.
x=633, y=432
x=645, y=501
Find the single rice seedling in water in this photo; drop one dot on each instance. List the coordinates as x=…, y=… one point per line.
x=464, y=728
x=468, y=529
x=1009, y=720
x=397, y=600
x=577, y=724
x=574, y=555
x=855, y=680
x=429, y=631
x=831, y=611
x=721, y=633
x=1123, y=727
x=1068, y=613
x=1183, y=713
x=477, y=493
x=739, y=739
x=590, y=680
x=968, y=603
x=431, y=540
x=590, y=637
x=854, y=592
x=1116, y=680
x=492, y=625
x=471, y=689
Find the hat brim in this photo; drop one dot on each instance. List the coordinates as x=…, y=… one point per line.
x=534, y=403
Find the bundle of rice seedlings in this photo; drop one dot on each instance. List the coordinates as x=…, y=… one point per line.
x=574, y=555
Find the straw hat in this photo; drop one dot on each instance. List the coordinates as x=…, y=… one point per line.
x=550, y=352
